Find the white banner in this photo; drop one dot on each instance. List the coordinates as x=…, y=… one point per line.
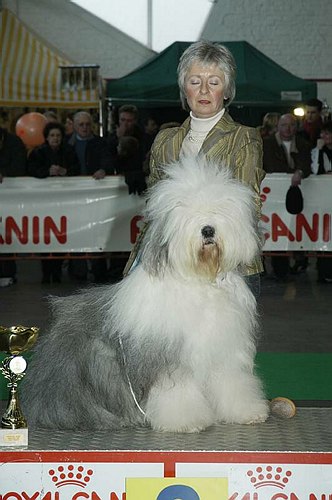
x=67, y=215
x=83, y=215
x=249, y=475
x=267, y=481
x=311, y=229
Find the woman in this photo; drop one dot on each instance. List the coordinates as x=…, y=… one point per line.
x=321, y=155
x=54, y=158
x=269, y=125
x=206, y=78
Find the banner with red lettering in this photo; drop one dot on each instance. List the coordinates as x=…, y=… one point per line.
x=67, y=215
x=84, y=215
x=311, y=229
x=196, y=475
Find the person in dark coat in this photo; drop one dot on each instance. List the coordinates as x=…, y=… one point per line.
x=92, y=150
x=313, y=121
x=95, y=160
x=13, y=157
x=129, y=160
x=321, y=164
x=287, y=152
x=126, y=125
x=52, y=159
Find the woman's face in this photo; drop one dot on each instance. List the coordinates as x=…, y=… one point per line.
x=205, y=90
x=54, y=138
x=327, y=138
x=69, y=126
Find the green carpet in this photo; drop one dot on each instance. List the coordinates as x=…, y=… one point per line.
x=296, y=376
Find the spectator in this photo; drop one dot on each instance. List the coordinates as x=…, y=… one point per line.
x=151, y=129
x=13, y=157
x=286, y=152
x=322, y=164
x=127, y=126
x=95, y=160
x=54, y=158
x=269, y=125
x=50, y=116
x=130, y=163
x=91, y=149
x=313, y=122
x=69, y=125
x=321, y=155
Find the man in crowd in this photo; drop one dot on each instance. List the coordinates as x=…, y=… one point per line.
x=127, y=125
x=287, y=152
x=91, y=149
x=95, y=161
x=313, y=121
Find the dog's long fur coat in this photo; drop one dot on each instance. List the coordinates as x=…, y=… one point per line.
x=173, y=344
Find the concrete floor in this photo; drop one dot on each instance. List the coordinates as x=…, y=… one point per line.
x=295, y=316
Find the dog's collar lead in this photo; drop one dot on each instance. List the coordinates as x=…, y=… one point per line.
x=128, y=379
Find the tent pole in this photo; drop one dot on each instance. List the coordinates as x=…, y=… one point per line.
x=149, y=24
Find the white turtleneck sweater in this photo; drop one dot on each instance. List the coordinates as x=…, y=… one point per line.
x=199, y=129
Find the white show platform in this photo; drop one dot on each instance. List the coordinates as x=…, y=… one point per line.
x=279, y=459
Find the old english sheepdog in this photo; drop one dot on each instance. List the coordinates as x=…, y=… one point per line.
x=172, y=345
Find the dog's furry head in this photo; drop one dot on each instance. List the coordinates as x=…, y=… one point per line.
x=201, y=222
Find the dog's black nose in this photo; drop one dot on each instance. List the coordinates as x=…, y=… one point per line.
x=208, y=232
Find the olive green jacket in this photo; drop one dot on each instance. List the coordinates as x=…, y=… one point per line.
x=229, y=144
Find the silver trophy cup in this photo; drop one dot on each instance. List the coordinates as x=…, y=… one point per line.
x=15, y=340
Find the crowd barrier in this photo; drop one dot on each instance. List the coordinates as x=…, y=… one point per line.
x=84, y=216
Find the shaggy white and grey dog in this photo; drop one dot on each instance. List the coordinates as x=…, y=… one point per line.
x=173, y=344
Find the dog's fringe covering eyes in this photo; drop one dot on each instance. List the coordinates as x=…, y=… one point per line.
x=172, y=345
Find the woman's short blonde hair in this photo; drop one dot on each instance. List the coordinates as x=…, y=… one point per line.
x=270, y=122
x=205, y=53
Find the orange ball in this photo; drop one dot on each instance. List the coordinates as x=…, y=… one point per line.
x=30, y=129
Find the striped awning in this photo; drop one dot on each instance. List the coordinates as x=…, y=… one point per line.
x=31, y=74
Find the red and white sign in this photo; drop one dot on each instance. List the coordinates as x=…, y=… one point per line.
x=67, y=215
x=311, y=229
x=83, y=215
x=101, y=475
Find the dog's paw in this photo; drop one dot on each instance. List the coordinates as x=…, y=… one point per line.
x=257, y=419
x=252, y=413
x=178, y=428
x=182, y=421
x=257, y=414
x=178, y=407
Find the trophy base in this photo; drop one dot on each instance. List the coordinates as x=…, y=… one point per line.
x=14, y=438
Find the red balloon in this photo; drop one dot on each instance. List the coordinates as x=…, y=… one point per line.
x=30, y=129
